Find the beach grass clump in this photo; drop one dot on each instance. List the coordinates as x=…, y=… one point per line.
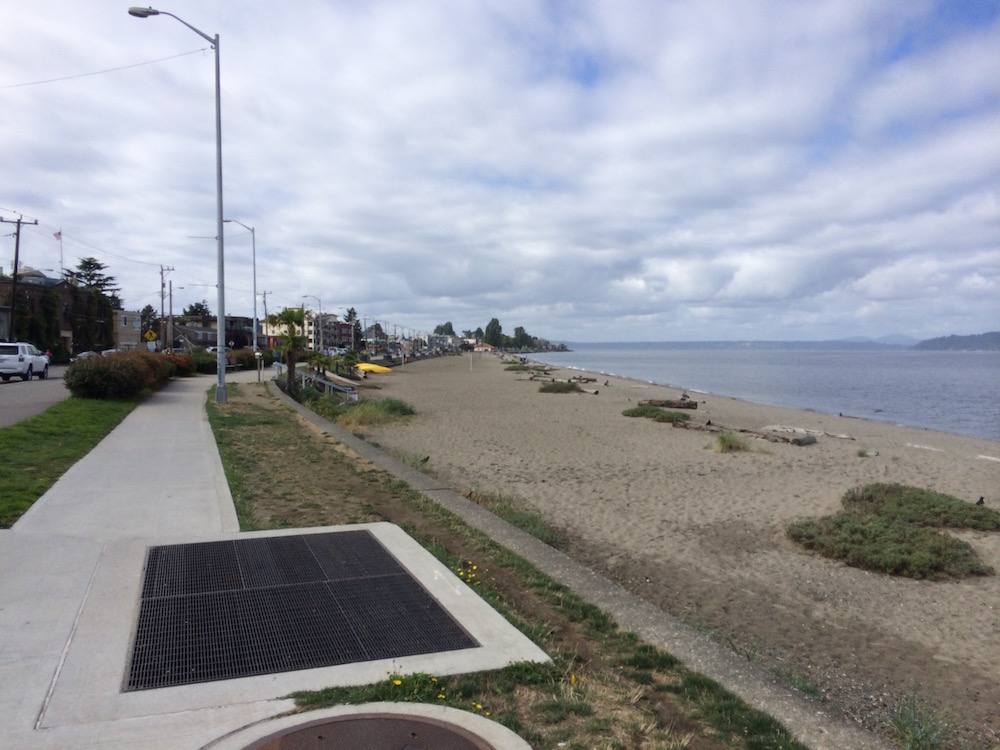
x=560, y=386
x=375, y=413
x=894, y=529
x=521, y=367
x=913, y=727
x=727, y=442
x=657, y=414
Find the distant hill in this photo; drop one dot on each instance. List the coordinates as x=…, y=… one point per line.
x=978, y=342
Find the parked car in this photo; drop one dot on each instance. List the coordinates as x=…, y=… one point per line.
x=84, y=355
x=23, y=360
x=214, y=349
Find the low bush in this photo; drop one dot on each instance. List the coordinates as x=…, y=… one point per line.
x=657, y=414
x=184, y=363
x=560, y=387
x=892, y=528
x=122, y=375
x=248, y=359
x=206, y=363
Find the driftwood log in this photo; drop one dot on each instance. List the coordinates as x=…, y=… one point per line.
x=684, y=404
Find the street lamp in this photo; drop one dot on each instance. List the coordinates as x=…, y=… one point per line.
x=253, y=241
x=320, y=318
x=221, y=397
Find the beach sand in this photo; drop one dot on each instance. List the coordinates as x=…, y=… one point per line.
x=701, y=534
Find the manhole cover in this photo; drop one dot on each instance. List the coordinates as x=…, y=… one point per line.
x=375, y=732
x=243, y=607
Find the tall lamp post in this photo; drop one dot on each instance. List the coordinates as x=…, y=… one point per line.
x=221, y=397
x=320, y=318
x=253, y=242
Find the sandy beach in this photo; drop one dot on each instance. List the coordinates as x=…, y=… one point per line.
x=702, y=534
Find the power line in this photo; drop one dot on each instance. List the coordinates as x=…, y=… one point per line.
x=101, y=72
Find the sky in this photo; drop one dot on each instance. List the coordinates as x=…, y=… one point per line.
x=629, y=170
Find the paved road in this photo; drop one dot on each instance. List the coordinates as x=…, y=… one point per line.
x=20, y=399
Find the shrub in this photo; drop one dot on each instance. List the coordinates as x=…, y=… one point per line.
x=206, y=364
x=184, y=363
x=105, y=377
x=248, y=359
x=657, y=414
x=119, y=375
x=891, y=528
x=559, y=387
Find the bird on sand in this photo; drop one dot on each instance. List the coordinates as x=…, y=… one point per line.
x=980, y=501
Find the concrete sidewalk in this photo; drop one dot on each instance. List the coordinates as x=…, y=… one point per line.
x=156, y=476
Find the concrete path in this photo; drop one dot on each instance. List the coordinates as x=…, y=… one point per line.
x=156, y=476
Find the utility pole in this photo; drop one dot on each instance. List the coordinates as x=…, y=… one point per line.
x=163, y=293
x=264, y=295
x=13, y=284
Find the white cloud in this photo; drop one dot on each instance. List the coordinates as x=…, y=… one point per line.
x=627, y=169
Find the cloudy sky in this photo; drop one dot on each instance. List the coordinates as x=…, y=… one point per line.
x=592, y=171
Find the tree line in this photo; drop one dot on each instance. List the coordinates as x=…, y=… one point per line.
x=494, y=336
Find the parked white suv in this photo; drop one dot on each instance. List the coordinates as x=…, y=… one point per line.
x=23, y=360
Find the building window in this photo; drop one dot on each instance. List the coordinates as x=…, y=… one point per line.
x=124, y=321
x=136, y=323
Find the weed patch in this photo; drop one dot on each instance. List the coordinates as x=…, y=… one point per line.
x=894, y=529
x=560, y=386
x=657, y=414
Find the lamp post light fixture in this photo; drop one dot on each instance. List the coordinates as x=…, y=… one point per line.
x=320, y=318
x=253, y=242
x=221, y=396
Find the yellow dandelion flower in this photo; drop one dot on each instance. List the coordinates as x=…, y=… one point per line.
x=441, y=695
x=397, y=682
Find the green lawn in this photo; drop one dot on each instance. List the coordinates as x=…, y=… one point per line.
x=39, y=450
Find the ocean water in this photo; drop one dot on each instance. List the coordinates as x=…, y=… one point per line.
x=955, y=392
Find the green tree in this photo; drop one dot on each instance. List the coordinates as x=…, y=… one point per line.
x=522, y=339
x=444, y=330
x=197, y=310
x=90, y=273
x=293, y=320
x=494, y=333
x=150, y=320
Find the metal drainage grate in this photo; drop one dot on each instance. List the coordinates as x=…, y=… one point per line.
x=220, y=610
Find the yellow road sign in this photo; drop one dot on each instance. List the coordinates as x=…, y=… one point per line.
x=150, y=335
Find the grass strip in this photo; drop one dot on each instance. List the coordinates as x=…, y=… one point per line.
x=40, y=449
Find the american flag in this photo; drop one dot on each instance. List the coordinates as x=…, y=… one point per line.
x=58, y=235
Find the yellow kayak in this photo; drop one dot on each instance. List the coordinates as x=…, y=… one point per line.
x=372, y=368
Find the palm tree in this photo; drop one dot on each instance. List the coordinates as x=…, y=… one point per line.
x=293, y=319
